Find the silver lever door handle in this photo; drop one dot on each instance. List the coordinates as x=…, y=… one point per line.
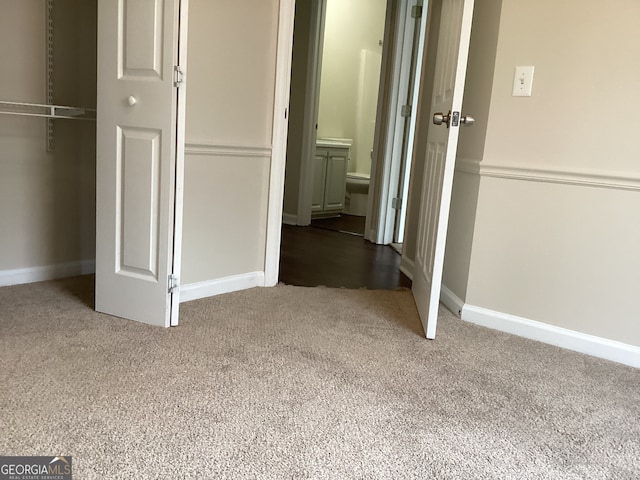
x=468, y=120
x=440, y=118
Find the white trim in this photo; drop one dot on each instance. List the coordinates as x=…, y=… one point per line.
x=388, y=139
x=567, y=176
x=560, y=337
x=407, y=267
x=412, y=140
x=379, y=135
x=623, y=181
x=289, y=219
x=178, y=213
x=451, y=300
x=208, y=148
x=210, y=288
x=48, y=272
x=396, y=137
x=279, y=141
x=468, y=165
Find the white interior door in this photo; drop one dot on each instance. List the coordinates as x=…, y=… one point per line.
x=442, y=142
x=137, y=155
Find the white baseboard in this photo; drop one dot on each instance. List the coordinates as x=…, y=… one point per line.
x=194, y=291
x=560, y=337
x=407, y=267
x=48, y=272
x=451, y=300
x=289, y=219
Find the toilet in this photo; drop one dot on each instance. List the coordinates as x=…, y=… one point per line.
x=357, y=190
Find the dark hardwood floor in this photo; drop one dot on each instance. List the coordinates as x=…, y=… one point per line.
x=342, y=223
x=317, y=256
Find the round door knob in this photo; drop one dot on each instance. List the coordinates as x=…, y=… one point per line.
x=132, y=100
x=442, y=119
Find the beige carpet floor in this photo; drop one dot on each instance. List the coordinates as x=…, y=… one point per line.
x=303, y=383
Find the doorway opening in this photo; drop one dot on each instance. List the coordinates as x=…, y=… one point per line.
x=349, y=68
x=353, y=76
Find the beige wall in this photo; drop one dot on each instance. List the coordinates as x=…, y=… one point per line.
x=230, y=92
x=566, y=255
x=545, y=215
x=587, y=73
x=477, y=100
x=550, y=245
x=231, y=61
x=224, y=222
x=47, y=206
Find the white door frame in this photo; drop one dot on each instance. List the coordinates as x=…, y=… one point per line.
x=413, y=121
x=180, y=145
x=386, y=166
x=280, y=125
x=279, y=141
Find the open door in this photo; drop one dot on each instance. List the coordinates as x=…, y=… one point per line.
x=138, y=155
x=442, y=142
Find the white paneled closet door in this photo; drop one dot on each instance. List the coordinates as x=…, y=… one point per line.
x=139, y=157
x=442, y=143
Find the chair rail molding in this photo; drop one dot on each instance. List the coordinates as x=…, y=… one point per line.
x=567, y=176
x=202, y=147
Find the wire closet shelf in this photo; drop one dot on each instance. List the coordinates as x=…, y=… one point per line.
x=46, y=111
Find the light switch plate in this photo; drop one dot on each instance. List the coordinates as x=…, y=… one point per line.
x=523, y=81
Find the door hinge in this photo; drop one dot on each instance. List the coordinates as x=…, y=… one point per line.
x=396, y=203
x=405, y=111
x=178, y=76
x=174, y=285
x=416, y=10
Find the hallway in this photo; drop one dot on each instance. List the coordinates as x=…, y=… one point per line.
x=313, y=256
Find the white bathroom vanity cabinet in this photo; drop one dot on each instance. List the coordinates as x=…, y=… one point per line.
x=329, y=176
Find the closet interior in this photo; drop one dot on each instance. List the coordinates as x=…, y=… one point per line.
x=47, y=139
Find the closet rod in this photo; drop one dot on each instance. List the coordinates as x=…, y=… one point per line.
x=46, y=111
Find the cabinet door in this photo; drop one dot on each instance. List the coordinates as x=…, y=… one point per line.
x=336, y=179
x=319, y=176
